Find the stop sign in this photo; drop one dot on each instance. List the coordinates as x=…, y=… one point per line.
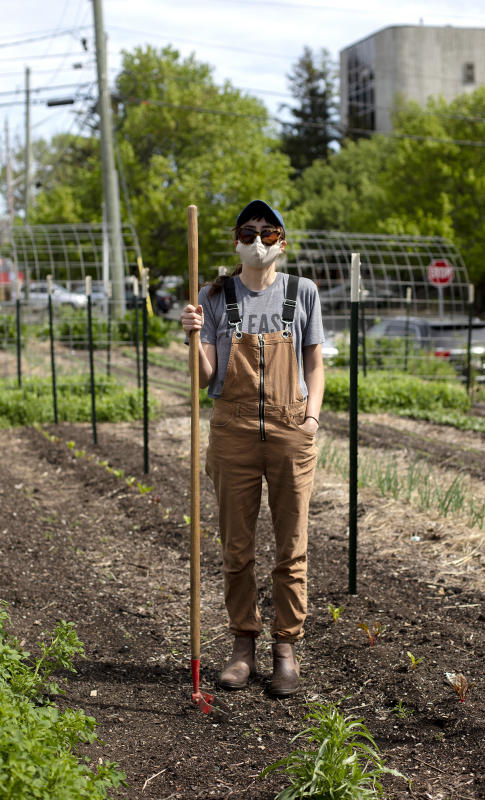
x=440, y=272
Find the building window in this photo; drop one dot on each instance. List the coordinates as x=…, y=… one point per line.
x=469, y=72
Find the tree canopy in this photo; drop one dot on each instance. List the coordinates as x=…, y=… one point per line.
x=427, y=177
x=314, y=128
x=181, y=139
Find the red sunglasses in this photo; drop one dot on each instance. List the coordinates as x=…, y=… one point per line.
x=269, y=236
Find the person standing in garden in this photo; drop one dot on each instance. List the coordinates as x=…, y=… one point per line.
x=260, y=355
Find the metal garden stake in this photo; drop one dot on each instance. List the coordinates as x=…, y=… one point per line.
x=108, y=314
x=51, y=336
x=145, y=297
x=91, y=359
x=353, y=419
x=471, y=299
x=363, y=333
x=409, y=292
x=19, y=334
x=206, y=702
x=137, y=330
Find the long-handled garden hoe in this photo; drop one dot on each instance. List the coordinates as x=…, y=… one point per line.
x=204, y=700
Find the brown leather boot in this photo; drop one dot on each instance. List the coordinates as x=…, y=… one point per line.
x=286, y=670
x=241, y=665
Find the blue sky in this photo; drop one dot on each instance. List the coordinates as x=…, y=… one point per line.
x=250, y=42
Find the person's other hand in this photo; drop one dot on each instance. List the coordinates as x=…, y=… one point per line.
x=310, y=425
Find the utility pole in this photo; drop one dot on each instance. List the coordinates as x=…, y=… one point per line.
x=28, y=151
x=10, y=202
x=110, y=179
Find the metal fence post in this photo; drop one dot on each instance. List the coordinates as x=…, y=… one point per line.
x=109, y=315
x=51, y=336
x=144, y=294
x=406, y=329
x=363, y=331
x=353, y=420
x=137, y=330
x=471, y=299
x=19, y=335
x=91, y=359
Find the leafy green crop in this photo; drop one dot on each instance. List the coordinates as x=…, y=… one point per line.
x=395, y=392
x=159, y=332
x=37, y=740
x=33, y=401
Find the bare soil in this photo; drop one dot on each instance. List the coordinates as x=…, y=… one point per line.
x=78, y=543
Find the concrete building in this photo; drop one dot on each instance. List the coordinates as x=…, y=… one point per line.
x=415, y=61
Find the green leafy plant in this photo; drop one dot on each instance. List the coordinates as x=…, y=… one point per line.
x=32, y=402
x=160, y=331
x=130, y=480
x=373, y=634
x=143, y=488
x=37, y=740
x=340, y=761
x=402, y=711
x=335, y=612
x=414, y=661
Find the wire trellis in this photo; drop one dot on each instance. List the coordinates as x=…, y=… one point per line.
x=67, y=252
x=389, y=265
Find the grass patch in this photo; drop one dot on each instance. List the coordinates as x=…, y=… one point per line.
x=414, y=483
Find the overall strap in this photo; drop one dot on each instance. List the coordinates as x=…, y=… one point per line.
x=232, y=308
x=289, y=303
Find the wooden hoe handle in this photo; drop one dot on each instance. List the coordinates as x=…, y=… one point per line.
x=193, y=247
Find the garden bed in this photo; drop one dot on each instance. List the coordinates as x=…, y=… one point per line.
x=79, y=543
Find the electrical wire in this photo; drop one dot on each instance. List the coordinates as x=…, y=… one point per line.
x=46, y=88
x=66, y=32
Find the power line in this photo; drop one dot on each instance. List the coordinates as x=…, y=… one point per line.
x=66, y=32
x=42, y=56
x=266, y=118
x=210, y=44
x=417, y=137
x=47, y=88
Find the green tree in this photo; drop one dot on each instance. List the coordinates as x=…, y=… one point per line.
x=344, y=193
x=183, y=140
x=314, y=127
x=428, y=178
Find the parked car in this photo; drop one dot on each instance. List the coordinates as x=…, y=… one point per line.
x=447, y=338
x=99, y=296
x=38, y=296
x=329, y=350
x=164, y=301
x=376, y=293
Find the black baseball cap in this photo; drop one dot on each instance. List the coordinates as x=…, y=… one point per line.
x=258, y=208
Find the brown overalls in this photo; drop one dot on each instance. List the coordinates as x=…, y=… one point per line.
x=254, y=431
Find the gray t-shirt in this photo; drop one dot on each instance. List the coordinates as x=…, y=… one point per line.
x=261, y=313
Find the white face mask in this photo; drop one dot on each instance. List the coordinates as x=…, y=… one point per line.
x=257, y=255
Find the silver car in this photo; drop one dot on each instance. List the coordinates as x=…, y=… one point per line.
x=38, y=296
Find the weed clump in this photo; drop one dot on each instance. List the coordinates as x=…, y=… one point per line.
x=342, y=761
